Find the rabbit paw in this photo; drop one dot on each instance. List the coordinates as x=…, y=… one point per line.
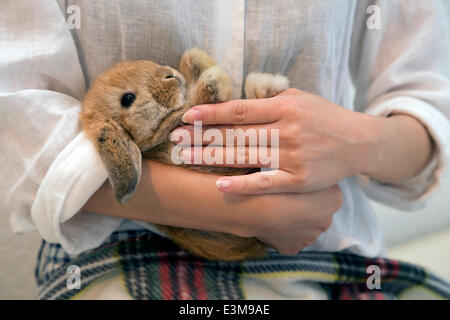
x=207, y=82
x=193, y=63
x=213, y=86
x=264, y=85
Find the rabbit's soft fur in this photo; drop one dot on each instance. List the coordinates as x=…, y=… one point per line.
x=162, y=96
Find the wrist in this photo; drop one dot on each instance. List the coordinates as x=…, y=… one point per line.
x=402, y=150
x=371, y=137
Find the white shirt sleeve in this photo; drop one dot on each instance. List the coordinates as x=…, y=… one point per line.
x=45, y=160
x=402, y=67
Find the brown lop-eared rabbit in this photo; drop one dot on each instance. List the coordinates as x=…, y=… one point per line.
x=130, y=111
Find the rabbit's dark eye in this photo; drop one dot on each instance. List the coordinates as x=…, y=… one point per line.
x=127, y=100
x=170, y=76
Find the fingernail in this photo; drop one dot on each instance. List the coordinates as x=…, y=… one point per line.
x=176, y=135
x=186, y=156
x=191, y=115
x=223, y=184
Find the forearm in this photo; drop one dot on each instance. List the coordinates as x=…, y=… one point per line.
x=175, y=196
x=402, y=148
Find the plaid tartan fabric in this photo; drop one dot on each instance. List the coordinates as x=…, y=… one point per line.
x=155, y=268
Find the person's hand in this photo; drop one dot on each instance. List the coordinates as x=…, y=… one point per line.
x=291, y=225
x=320, y=143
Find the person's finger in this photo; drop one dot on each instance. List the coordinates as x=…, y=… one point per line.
x=293, y=92
x=237, y=157
x=277, y=181
x=226, y=135
x=251, y=111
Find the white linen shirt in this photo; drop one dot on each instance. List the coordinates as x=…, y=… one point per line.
x=48, y=169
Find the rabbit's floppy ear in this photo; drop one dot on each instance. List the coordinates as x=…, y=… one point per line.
x=120, y=155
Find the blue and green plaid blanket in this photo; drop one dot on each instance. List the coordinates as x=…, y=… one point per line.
x=154, y=268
